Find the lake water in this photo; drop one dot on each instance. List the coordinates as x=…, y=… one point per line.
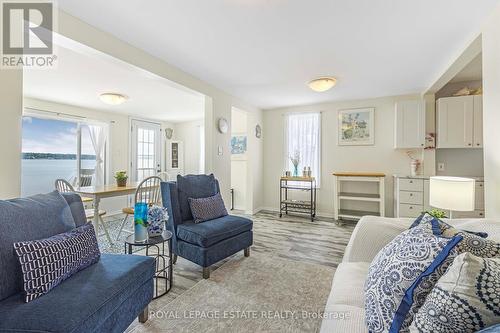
x=38, y=176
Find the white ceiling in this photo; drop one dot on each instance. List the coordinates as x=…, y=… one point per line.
x=265, y=50
x=472, y=72
x=82, y=75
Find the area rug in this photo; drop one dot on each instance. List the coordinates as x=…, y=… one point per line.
x=261, y=293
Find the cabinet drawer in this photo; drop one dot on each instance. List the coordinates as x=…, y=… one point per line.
x=407, y=197
x=477, y=214
x=411, y=184
x=406, y=210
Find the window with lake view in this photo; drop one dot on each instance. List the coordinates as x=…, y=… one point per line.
x=51, y=150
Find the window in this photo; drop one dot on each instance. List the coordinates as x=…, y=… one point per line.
x=303, y=138
x=56, y=148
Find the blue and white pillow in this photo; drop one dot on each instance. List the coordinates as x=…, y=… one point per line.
x=46, y=263
x=473, y=242
x=443, y=226
x=465, y=299
x=402, y=275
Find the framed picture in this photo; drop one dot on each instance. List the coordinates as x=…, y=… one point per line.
x=356, y=127
x=238, y=144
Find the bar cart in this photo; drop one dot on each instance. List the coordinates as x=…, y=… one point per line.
x=307, y=184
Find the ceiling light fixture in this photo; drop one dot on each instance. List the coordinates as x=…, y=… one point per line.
x=322, y=84
x=112, y=98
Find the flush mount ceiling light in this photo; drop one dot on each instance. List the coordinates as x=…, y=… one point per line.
x=322, y=84
x=112, y=98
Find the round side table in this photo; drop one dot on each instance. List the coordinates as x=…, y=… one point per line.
x=164, y=272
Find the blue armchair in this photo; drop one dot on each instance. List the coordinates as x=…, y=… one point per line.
x=208, y=242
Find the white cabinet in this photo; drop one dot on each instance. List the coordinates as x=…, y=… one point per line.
x=459, y=122
x=409, y=124
x=411, y=197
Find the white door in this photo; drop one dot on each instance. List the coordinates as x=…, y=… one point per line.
x=146, y=147
x=455, y=118
x=410, y=124
x=478, y=121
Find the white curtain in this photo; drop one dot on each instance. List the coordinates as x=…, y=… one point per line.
x=303, y=136
x=99, y=136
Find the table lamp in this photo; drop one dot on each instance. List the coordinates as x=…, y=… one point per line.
x=452, y=193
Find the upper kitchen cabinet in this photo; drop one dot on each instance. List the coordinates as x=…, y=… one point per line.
x=410, y=124
x=459, y=122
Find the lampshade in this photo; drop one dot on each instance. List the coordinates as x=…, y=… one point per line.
x=452, y=193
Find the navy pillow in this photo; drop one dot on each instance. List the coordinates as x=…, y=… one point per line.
x=194, y=186
x=206, y=209
x=45, y=263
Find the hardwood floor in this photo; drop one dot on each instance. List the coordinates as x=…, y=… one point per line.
x=293, y=238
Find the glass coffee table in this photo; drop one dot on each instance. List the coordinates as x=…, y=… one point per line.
x=155, y=248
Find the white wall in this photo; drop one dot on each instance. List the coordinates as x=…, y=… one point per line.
x=11, y=106
x=189, y=133
x=491, y=113
x=381, y=157
x=239, y=162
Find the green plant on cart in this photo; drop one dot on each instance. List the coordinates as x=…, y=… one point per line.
x=437, y=213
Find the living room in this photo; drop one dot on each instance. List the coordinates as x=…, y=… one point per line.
x=329, y=146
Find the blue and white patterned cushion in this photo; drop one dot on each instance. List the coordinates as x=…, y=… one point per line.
x=45, y=263
x=478, y=246
x=465, y=299
x=473, y=242
x=205, y=209
x=401, y=276
x=443, y=226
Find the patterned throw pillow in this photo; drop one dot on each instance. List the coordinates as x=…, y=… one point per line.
x=465, y=299
x=425, y=217
x=402, y=275
x=205, y=209
x=476, y=245
x=45, y=263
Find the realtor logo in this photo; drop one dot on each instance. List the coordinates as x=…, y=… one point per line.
x=27, y=34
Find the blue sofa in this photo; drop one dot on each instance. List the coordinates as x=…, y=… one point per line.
x=208, y=242
x=105, y=297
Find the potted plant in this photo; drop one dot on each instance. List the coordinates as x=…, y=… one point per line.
x=121, y=178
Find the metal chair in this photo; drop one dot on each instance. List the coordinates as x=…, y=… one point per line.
x=63, y=186
x=149, y=192
x=164, y=176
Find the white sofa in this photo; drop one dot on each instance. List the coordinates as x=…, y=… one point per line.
x=344, y=311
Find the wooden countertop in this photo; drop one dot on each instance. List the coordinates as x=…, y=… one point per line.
x=359, y=174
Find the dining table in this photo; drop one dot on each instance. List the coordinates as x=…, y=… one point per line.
x=98, y=192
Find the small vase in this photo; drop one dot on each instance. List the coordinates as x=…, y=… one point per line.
x=295, y=170
x=140, y=222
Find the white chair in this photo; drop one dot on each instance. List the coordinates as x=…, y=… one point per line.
x=63, y=186
x=149, y=192
x=164, y=176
